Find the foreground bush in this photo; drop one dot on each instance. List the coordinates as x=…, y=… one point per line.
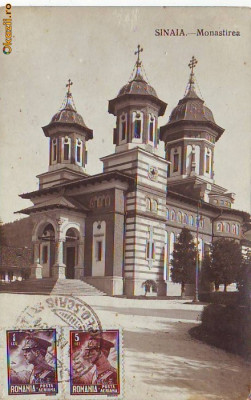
x=227, y=327
x=225, y=298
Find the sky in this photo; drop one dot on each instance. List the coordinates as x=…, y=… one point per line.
x=94, y=47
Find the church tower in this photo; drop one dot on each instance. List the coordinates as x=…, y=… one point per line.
x=68, y=135
x=190, y=136
x=137, y=108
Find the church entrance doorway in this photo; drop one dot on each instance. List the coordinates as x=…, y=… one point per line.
x=47, y=250
x=71, y=248
x=70, y=262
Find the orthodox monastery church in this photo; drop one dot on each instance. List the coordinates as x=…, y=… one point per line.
x=116, y=230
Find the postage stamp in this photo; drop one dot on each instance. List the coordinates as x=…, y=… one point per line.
x=32, y=362
x=95, y=362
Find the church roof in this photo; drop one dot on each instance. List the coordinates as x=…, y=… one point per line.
x=191, y=108
x=56, y=202
x=87, y=180
x=221, y=211
x=68, y=114
x=138, y=86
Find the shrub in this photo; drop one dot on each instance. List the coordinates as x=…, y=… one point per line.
x=227, y=327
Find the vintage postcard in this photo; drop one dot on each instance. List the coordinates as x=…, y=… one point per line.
x=125, y=202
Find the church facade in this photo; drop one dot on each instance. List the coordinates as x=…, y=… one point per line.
x=116, y=230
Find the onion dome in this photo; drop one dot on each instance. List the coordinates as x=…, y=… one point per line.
x=137, y=86
x=191, y=109
x=68, y=114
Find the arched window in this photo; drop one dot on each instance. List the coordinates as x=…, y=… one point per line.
x=66, y=148
x=148, y=204
x=201, y=222
x=154, y=205
x=107, y=201
x=98, y=248
x=219, y=227
x=227, y=227
x=237, y=229
x=173, y=215
x=234, y=228
x=191, y=220
x=123, y=127
x=101, y=201
x=79, y=151
x=175, y=162
x=54, y=151
x=151, y=128
x=137, y=124
x=150, y=246
x=185, y=219
x=167, y=213
x=208, y=157
x=179, y=217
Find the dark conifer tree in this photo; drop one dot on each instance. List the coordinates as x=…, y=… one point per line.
x=184, y=260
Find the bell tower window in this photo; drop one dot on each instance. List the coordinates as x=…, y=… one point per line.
x=79, y=151
x=151, y=129
x=137, y=128
x=176, y=162
x=54, y=151
x=66, y=149
x=207, y=163
x=137, y=124
x=123, y=127
x=208, y=160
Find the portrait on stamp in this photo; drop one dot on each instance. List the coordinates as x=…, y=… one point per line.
x=95, y=362
x=32, y=361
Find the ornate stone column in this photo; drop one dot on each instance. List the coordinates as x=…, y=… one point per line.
x=36, y=268
x=79, y=268
x=58, y=269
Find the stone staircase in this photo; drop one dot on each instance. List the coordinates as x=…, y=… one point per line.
x=51, y=286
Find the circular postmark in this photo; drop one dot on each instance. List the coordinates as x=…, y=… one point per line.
x=63, y=312
x=73, y=311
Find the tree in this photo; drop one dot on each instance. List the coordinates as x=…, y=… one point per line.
x=244, y=279
x=206, y=277
x=184, y=260
x=226, y=260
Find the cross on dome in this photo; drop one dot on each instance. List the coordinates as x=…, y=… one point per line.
x=192, y=65
x=138, y=63
x=68, y=102
x=137, y=52
x=68, y=85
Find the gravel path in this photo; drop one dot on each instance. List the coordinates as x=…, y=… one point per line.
x=161, y=360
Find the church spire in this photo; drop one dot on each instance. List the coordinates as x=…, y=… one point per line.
x=138, y=63
x=68, y=85
x=68, y=103
x=192, y=65
x=190, y=89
